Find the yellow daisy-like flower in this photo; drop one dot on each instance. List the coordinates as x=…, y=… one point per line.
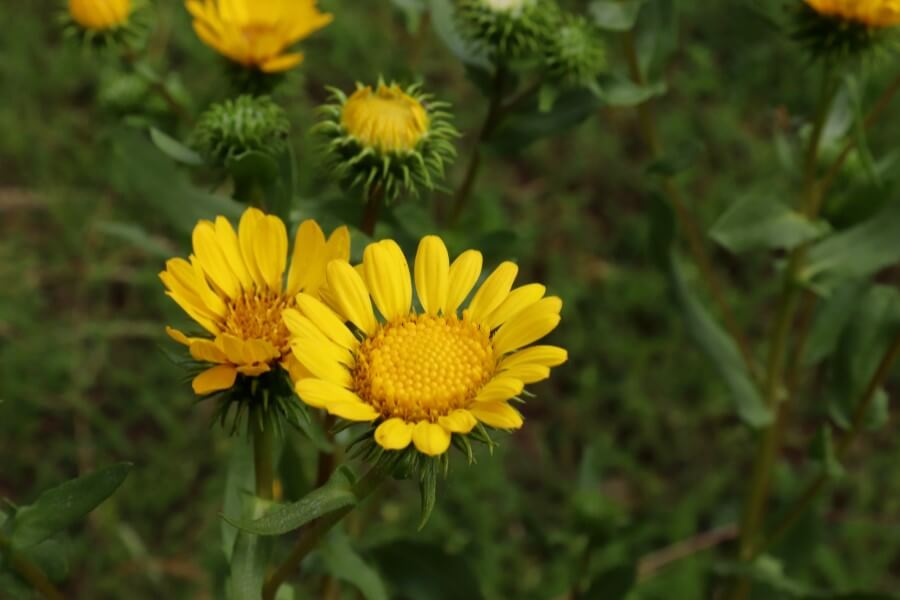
x=386, y=118
x=871, y=13
x=100, y=15
x=422, y=376
x=257, y=33
x=233, y=286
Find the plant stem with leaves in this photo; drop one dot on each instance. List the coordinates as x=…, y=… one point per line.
x=30, y=572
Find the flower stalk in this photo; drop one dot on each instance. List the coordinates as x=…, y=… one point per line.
x=263, y=459
x=30, y=572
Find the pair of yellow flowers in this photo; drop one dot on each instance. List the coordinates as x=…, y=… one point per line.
x=352, y=338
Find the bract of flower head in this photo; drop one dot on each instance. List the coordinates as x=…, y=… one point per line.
x=576, y=54
x=100, y=15
x=234, y=287
x=247, y=123
x=386, y=136
x=257, y=34
x=422, y=376
x=508, y=30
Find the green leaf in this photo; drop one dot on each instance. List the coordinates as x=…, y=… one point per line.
x=823, y=452
x=62, y=506
x=413, y=11
x=248, y=567
x=614, y=583
x=754, y=223
x=334, y=495
x=624, y=93
x=570, y=108
x=415, y=570
x=831, y=320
x=615, y=15
x=138, y=237
x=856, y=253
x=175, y=149
x=239, y=484
x=657, y=36
x=343, y=563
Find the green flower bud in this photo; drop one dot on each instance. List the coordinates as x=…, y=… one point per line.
x=508, y=29
x=248, y=124
x=575, y=55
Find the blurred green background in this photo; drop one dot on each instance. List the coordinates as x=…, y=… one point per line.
x=631, y=447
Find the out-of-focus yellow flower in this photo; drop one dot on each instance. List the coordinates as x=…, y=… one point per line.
x=871, y=13
x=233, y=286
x=386, y=118
x=257, y=33
x=100, y=15
x=422, y=376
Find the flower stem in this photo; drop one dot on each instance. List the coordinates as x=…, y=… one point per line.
x=491, y=121
x=317, y=530
x=263, y=467
x=686, y=221
x=29, y=572
x=770, y=442
x=811, y=492
x=373, y=207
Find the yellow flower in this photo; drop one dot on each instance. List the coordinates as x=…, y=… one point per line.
x=871, y=13
x=256, y=33
x=386, y=118
x=233, y=286
x=422, y=376
x=100, y=15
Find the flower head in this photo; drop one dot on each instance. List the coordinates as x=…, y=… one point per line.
x=870, y=13
x=257, y=33
x=227, y=130
x=575, y=55
x=100, y=15
x=421, y=377
x=508, y=29
x=387, y=136
x=233, y=286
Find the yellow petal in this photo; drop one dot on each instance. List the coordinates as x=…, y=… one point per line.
x=548, y=356
x=282, y=63
x=254, y=370
x=528, y=373
x=207, y=351
x=319, y=393
x=214, y=379
x=351, y=298
x=432, y=274
x=228, y=241
x=178, y=336
x=212, y=259
x=459, y=421
x=270, y=250
x=500, y=388
x=394, y=434
x=352, y=411
x=309, y=258
x=387, y=275
x=528, y=326
x=248, y=231
x=323, y=361
x=339, y=244
x=497, y=414
x=327, y=321
x=518, y=300
x=431, y=438
x=464, y=272
x=493, y=291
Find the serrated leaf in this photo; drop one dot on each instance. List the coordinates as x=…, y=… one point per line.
x=343, y=563
x=280, y=519
x=615, y=15
x=624, y=93
x=175, y=149
x=755, y=223
x=64, y=505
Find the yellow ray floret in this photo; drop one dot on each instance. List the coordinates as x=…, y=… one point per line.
x=234, y=286
x=422, y=376
x=386, y=118
x=100, y=15
x=257, y=33
x=872, y=13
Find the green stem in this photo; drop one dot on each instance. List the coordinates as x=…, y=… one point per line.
x=770, y=442
x=796, y=511
x=687, y=223
x=263, y=461
x=316, y=531
x=491, y=121
x=30, y=572
x=373, y=207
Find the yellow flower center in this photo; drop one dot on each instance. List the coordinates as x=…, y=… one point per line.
x=387, y=119
x=422, y=367
x=257, y=316
x=98, y=15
